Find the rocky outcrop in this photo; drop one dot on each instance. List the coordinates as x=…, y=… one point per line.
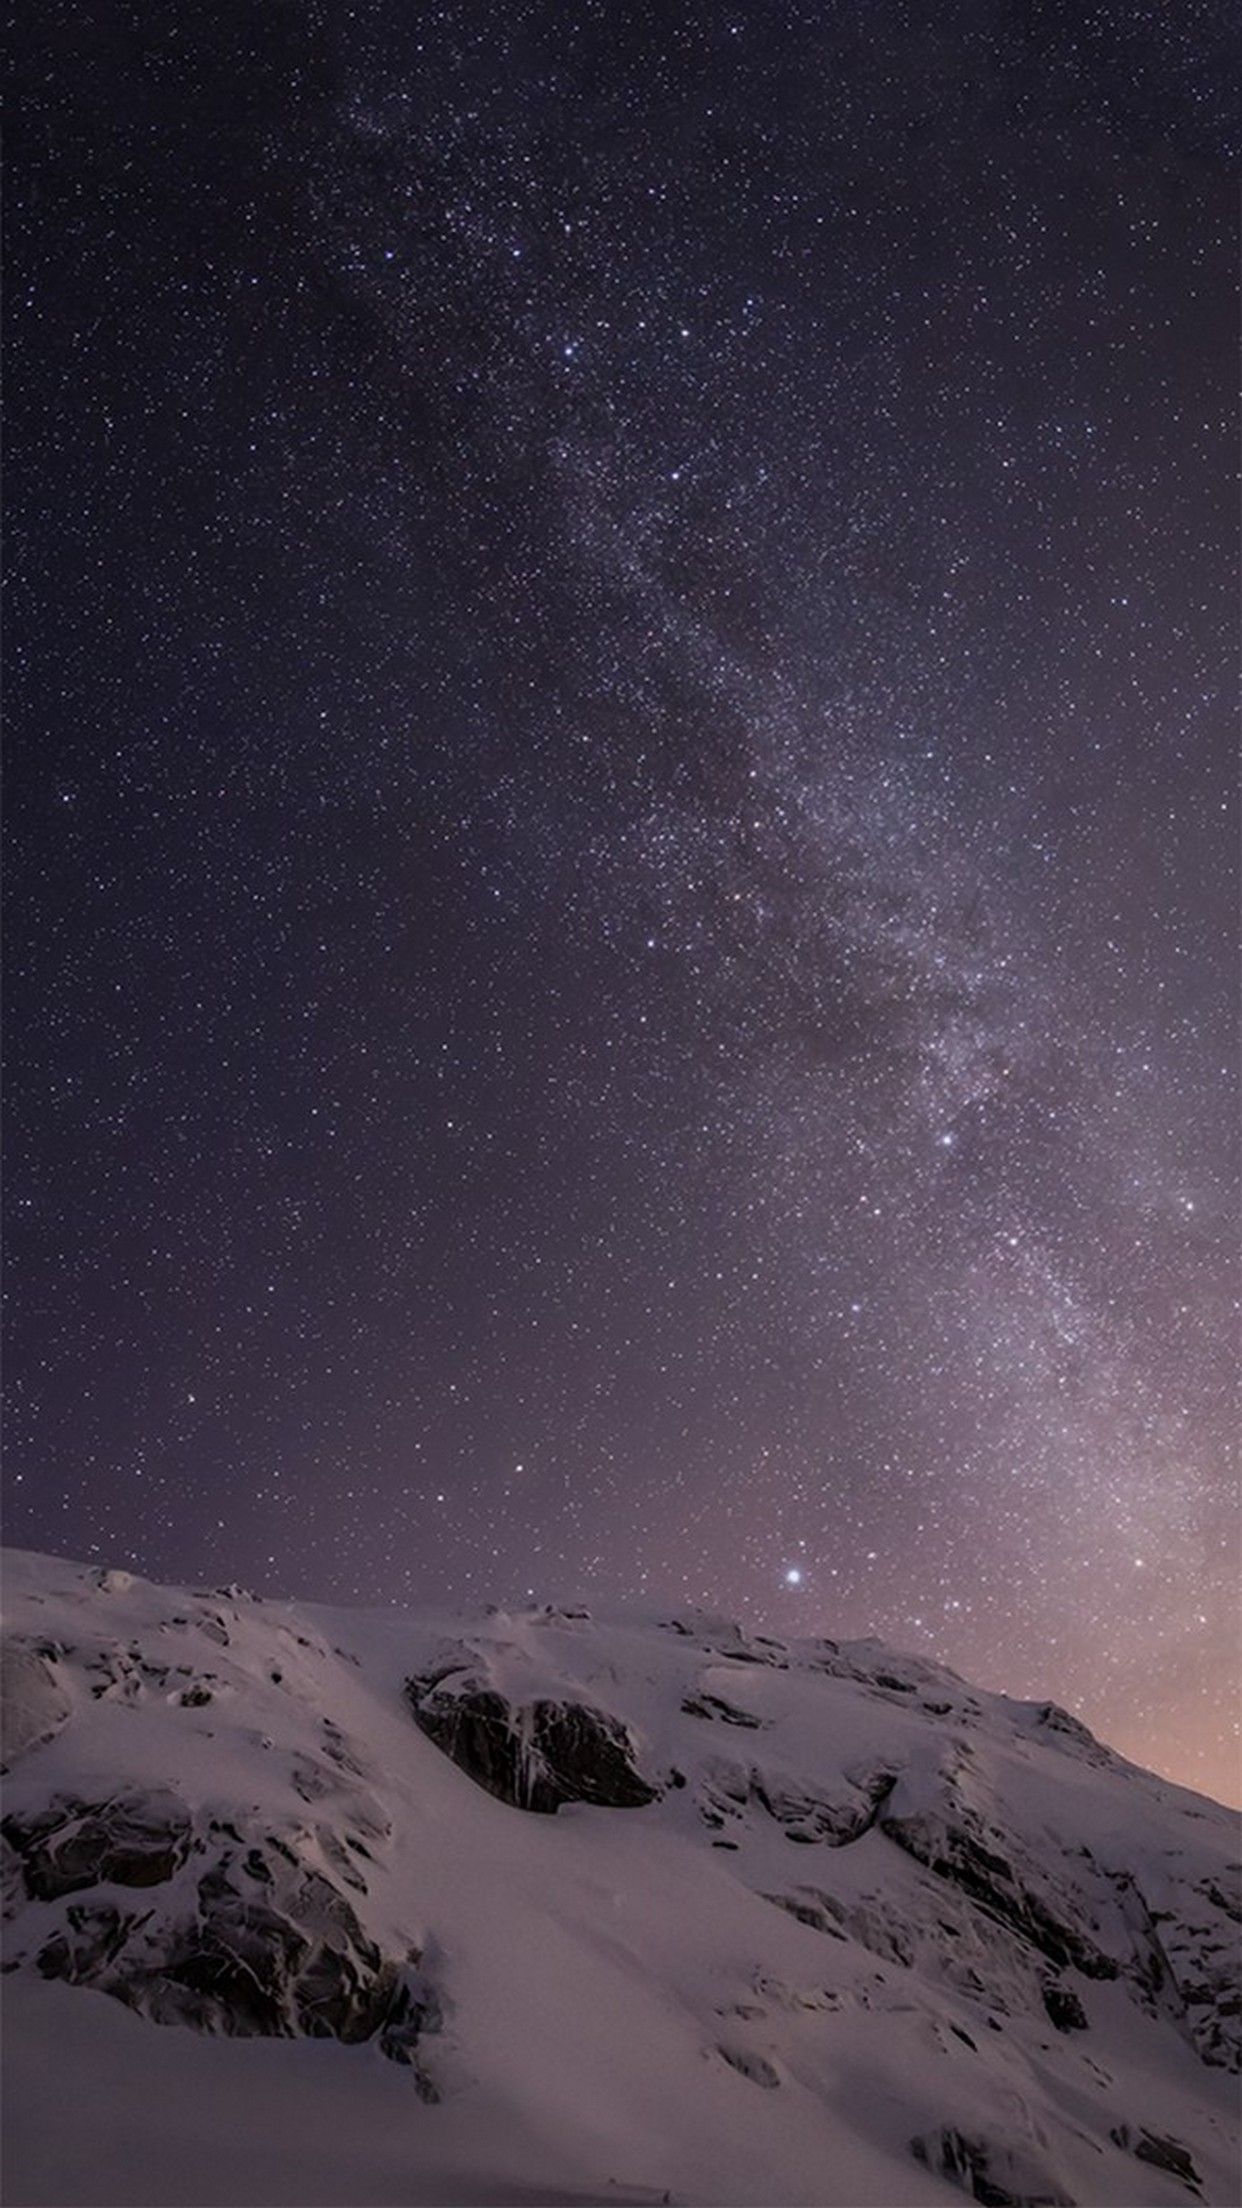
x=252, y=1940
x=821, y=1912
x=136, y=1840
x=998, y=2176
x=1042, y=1910
x=1063, y=2007
x=1187, y=1966
x=808, y=1816
x=714, y=1710
x=535, y=1756
x=1162, y=2154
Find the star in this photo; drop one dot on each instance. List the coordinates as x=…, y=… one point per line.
x=610, y=679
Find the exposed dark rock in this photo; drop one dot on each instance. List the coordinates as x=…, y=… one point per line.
x=724, y=1791
x=822, y=1912
x=1186, y=1969
x=337, y=1753
x=1162, y=2153
x=537, y=1756
x=816, y=1819
x=1064, y=2008
x=1052, y=1718
x=262, y=1946
x=995, y=2176
x=139, y=1841
x=713, y=1706
x=1044, y=1918
x=90, y=1941
x=312, y=1780
x=1225, y=1892
x=727, y=1790
x=755, y=2067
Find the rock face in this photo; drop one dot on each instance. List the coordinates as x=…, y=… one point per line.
x=810, y=1816
x=996, y=2176
x=1046, y=1913
x=536, y=1756
x=819, y=1905
x=139, y=1841
x=252, y=1941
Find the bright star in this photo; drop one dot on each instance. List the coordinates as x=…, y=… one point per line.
x=793, y=1577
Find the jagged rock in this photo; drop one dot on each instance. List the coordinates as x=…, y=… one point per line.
x=713, y=1707
x=89, y=1942
x=537, y=1756
x=1186, y=1970
x=141, y=1840
x=1065, y=2010
x=755, y=2067
x=1033, y=1906
x=999, y=2177
x=808, y=1817
x=835, y=1820
x=1162, y=2153
x=822, y=1912
x=1225, y=1891
x=261, y=1946
x=1057, y=1720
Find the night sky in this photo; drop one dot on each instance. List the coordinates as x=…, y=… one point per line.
x=620, y=811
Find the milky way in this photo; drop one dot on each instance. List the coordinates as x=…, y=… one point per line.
x=621, y=821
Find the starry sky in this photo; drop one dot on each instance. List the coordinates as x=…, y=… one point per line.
x=620, y=903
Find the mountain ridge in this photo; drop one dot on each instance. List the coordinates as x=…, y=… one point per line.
x=555, y=1906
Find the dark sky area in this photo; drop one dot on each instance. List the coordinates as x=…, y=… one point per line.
x=620, y=809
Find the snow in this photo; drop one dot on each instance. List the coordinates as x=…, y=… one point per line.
x=765, y=1986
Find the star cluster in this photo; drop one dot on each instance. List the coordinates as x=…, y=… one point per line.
x=621, y=820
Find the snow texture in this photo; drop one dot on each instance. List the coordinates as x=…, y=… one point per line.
x=309, y=1906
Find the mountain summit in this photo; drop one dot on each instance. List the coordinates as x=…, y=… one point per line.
x=311, y=1906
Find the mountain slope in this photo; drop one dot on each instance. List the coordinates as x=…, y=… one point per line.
x=536, y=1908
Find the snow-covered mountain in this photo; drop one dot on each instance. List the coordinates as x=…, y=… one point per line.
x=537, y=1907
